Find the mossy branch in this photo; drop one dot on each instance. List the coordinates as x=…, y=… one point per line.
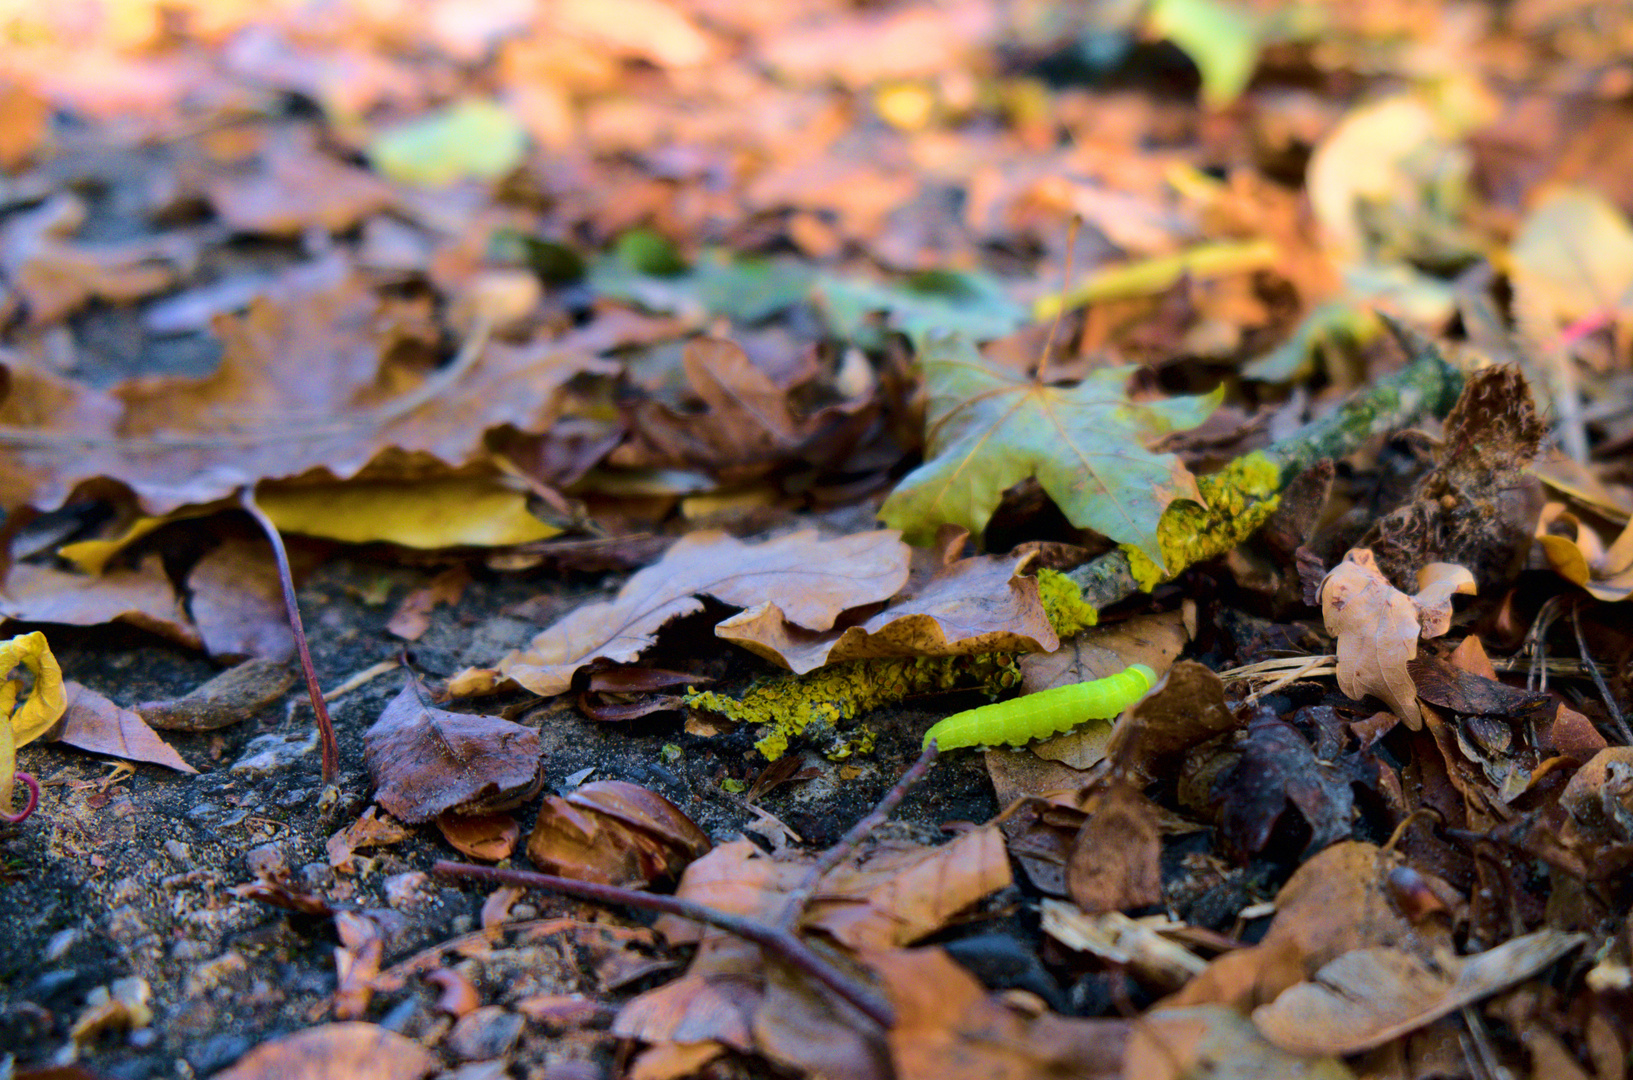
x=1240, y=498
x=1243, y=495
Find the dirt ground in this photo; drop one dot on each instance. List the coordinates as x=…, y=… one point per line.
x=127, y=874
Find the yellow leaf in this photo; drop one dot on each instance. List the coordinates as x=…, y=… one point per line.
x=42, y=706
x=431, y=513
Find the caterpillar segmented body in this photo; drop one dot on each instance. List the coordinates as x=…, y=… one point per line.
x=1046, y=713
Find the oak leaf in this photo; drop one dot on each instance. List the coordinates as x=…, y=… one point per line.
x=1377, y=626
x=991, y=428
x=810, y=580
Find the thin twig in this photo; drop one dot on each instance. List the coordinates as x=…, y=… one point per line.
x=326, y=727
x=1598, y=680
x=802, y=893
x=774, y=939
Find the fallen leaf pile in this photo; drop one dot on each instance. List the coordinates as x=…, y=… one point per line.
x=614, y=431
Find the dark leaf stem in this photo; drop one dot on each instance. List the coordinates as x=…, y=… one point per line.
x=286, y=578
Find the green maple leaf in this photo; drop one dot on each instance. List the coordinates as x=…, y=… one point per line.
x=992, y=427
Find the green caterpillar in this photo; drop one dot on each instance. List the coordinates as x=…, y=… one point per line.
x=1046, y=713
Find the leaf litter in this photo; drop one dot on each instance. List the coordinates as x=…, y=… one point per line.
x=517, y=299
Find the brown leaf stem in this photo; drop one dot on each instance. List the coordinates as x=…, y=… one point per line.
x=286, y=578
x=775, y=939
x=848, y=843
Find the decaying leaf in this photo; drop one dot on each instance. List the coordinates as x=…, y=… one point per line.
x=1218, y=1044
x=425, y=760
x=1369, y=996
x=1186, y=708
x=948, y=1025
x=810, y=580
x=236, y=694
x=343, y=1051
x=976, y=605
x=616, y=833
x=480, y=836
x=1278, y=767
x=1576, y=551
x=142, y=596
x=92, y=722
x=1477, y=508
x=1114, y=862
x=1377, y=626
x=992, y=427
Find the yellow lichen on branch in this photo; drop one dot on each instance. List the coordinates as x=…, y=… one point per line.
x=830, y=696
x=1239, y=499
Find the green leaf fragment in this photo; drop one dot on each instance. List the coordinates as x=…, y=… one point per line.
x=1222, y=40
x=476, y=139
x=991, y=428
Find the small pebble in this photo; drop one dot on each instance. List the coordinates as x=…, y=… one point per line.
x=266, y=859
x=179, y=853
x=267, y=754
x=408, y=891
x=486, y=1033
x=60, y=943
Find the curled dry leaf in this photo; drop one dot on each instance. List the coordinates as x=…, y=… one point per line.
x=1369, y=996
x=236, y=694
x=1377, y=626
x=425, y=760
x=977, y=605
x=480, y=836
x=1580, y=556
x=616, y=833
x=810, y=580
x=370, y=830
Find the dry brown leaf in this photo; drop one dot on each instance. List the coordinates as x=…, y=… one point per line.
x=894, y=896
x=1333, y=904
x=616, y=833
x=975, y=605
x=94, y=723
x=1115, y=859
x=1369, y=996
x=142, y=597
x=236, y=598
x=812, y=581
x=1186, y=708
x=426, y=760
x=1581, y=557
x=371, y=829
x=343, y=1051
x=236, y=694
x=56, y=276
x=1377, y=626
x=480, y=836
x=321, y=378
x=949, y=1027
x=300, y=188
x=1211, y=1041
x=747, y=427
x=413, y=616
